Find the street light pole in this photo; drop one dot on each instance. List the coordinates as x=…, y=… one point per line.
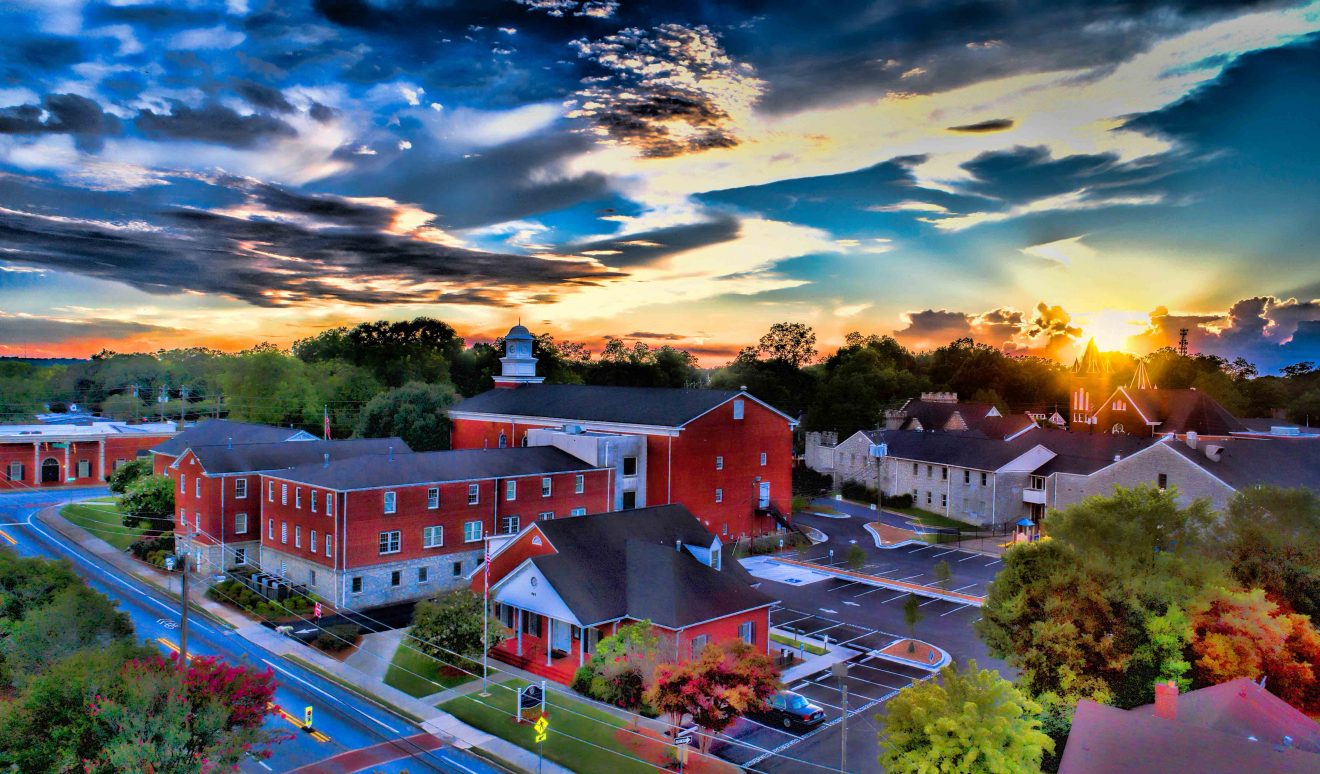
x=183, y=619
x=840, y=670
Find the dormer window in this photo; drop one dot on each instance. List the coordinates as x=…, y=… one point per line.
x=737, y=409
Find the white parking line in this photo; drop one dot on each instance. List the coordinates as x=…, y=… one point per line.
x=956, y=609
x=854, y=604
x=910, y=577
x=891, y=599
x=968, y=586
x=923, y=548
x=890, y=672
x=972, y=556
x=945, y=553
x=936, y=599
x=872, y=591
x=997, y=561
x=872, y=682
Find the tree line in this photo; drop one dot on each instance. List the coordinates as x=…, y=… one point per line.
x=384, y=377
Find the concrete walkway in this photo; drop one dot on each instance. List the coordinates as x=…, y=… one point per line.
x=374, y=653
x=432, y=720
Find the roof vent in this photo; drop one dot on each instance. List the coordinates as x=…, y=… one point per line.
x=1117, y=457
x=1214, y=453
x=391, y=452
x=742, y=388
x=231, y=442
x=325, y=460
x=678, y=545
x=1191, y=439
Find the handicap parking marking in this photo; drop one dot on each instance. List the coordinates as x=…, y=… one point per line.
x=956, y=609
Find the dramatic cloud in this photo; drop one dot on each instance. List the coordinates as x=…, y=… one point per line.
x=991, y=125
x=62, y=114
x=214, y=123
x=647, y=247
x=666, y=92
x=23, y=328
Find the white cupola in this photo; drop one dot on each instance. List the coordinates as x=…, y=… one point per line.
x=518, y=366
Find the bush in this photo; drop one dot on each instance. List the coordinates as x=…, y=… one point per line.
x=128, y=473
x=146, y=548
x=769, y=544
x=339, y=637
x=898, y=501
x=809, y=483
x=859, y=492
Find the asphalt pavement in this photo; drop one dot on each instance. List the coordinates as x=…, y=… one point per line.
x=344, y=720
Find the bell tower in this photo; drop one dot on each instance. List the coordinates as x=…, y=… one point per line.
x=1087, y=387
x=518, y=366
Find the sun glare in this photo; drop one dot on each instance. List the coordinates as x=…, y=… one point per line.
x=1112, y=330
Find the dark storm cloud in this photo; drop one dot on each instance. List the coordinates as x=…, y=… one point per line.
x=321, y=113
x=213, y=123
x=1266, y=330
x=983, y=127
x=655, y=336
x=1024, y=174
x=933, y=327
x=262, y=96
x=66, y=114
x=21, y=329
x=312, y=249
x=651, y=246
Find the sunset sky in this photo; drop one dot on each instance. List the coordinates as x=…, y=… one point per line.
x=1029, y=174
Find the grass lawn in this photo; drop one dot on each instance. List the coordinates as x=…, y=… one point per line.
x=493, y=715
x=935, y=520
x=419, y=675
x=789, y=641
x=102, y=519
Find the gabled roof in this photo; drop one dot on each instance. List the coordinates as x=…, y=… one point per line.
x=1003, y=427
x=650, y=406
x=1085, y=453
x=223, y=432
x=1180, y=411
x=253, y=457
x=964, y=450
x=1286, y=462
x=1092, y=362
x=405, y=469
x=935, y=414
x=1210, y=734
x=625, y=564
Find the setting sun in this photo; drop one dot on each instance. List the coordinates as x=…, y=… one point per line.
x=1112, y=329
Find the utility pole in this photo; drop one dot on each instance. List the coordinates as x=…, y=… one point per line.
x=840, y=670
x=183, y=621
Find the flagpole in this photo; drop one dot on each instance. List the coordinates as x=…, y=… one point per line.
x=485, y=621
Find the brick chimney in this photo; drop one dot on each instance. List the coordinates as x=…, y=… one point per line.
x=1166, y=700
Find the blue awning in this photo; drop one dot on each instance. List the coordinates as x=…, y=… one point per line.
x=1025, y=523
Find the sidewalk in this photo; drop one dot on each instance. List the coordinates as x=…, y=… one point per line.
x=432, y=720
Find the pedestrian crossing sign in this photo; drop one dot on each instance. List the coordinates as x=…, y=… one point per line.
x=540, y=727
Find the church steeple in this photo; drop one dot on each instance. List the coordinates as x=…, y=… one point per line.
x=518, y=366
x=1088, y=386
x=1141, y=379
x=1092, y=362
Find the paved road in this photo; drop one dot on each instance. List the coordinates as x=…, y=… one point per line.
x=346, y=721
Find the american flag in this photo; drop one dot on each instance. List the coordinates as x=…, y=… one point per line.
x=327, y=422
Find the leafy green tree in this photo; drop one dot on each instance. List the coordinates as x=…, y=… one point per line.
x=342, y=389
x=912, y=616
x=969, y=720
x=1306, y=408
x=148, y=502
x=123, y=406
x=622, y=666
x=729, y=679
x=415, y=412
x=129, y=472
x=74, y=619
x=856, y=557
x=1270, y=539
x=265, y=385
x=943, y=574
x=452, y=623
x=860, y=381
x=396, y=353
x=791, y=343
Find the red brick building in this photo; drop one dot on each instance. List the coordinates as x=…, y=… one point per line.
x=67, y=455
x=723, y=454
x=560, y=586
x=383, y=529
x=218, y=505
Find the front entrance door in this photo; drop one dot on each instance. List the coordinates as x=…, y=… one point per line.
x=561, y=635
x=50, y=471
x=763, y=499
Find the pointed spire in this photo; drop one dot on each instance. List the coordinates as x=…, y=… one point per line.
x=1092, y=361
x=1141, y=379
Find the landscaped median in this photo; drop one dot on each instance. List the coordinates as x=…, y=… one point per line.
x=582, y=737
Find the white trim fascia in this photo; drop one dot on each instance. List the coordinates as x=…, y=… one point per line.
x=716, y=618
x=274, y=475
x=1014, y=436
x=514, y=572
x=550, y=422
x=506, y=546
x=791, y=421
x=1053, y=454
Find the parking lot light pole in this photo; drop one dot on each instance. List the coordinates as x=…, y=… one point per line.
x=840, y=670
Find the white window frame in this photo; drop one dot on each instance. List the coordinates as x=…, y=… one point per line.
x=423, y=575
x=284, y=532
x=390, y=502
x=738, y=409
x=433, y=536
x=545, y=516
x=579, y=484
x=433, y=497
x=390, y=541
x=719, y=462
x=240, y=523
x=467, y=532
x=513, y=521
x=270, y=529
x=84, y=464
x=329, y=541
x=747, y=631
x=197, y=487
x=284, y=494
x=240, y=488
x=183, y=483
x=547, y=486
x=719, y=495
x=270, y=491
x=511, y=489
x=297, y=536
x=474, y=494
x=297, y=497
x=329, y=503
x=578, y=512
x=763, y=459
x=313, y=502
x=312, y=546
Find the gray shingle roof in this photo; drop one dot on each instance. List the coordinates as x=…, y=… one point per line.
x=960, y=449
x=221, y=432
x=625, y=564
x=657, y=406
x=1085, y=453
x=1179, y=411
x=252, y=457
x=1248, y=462
x=379, y=470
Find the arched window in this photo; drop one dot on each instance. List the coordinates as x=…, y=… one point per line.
x=504, y=440
x=1117, y=429
x=50, y=471
x=524, y=438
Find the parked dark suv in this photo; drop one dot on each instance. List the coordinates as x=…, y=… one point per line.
x=792, y=709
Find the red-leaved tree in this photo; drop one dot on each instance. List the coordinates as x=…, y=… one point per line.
x=728, y=679
x=1244, y=634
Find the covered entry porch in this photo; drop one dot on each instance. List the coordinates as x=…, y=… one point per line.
x=542, y=644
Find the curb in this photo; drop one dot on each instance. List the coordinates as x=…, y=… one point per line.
x=945, y=658
x=879, y=543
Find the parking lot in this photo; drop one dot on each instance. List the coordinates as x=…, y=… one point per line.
x=971, y=572
x=760, y=745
